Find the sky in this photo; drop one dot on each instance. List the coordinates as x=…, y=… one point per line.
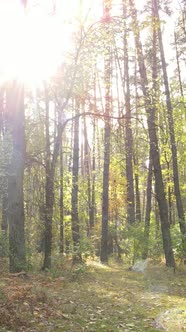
x=38, y=40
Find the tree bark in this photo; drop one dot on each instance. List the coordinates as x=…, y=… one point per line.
x=128, y=131
x=179, y=203
x=105, y=193
x=150, y=110
x=74, y=197
x=178, y=65
x=49, y=191
x=137, y=191
x=16, y=126
x=4, y=224
x=148, y=210
x=61, y=203
x=93, y=203
x=88, y=177
x=4, y=163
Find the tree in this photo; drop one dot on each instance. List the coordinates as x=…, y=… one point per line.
x=16, y=127
x=61, y=201
x=91, y=130
x=128, y=130
x=179, y=203
x=148, y=210
x=150, y=110
x=49, y=188
x=74, y=197
x=105, y=193
x=4, y=143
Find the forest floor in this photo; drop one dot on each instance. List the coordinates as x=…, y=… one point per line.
x=94, y=298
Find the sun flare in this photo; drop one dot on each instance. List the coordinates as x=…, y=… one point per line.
x=31, y=42
x=34, y=41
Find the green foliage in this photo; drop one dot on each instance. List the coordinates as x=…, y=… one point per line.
x=78, y=272
x=134, y=238
x=81, y=78
x=86, y=247
x=4, y=245
x=177, y=241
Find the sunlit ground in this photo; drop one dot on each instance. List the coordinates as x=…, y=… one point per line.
x=81, y=298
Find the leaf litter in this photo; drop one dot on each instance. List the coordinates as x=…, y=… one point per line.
x=101, y=299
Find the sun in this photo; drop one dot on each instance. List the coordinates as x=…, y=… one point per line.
x=35, y=41
x=31, y=42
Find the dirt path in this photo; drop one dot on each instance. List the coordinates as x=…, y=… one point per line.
x=106, y=299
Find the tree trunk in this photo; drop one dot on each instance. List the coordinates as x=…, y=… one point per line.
x=87, y=173
x=179, y=203
x=128, y=131
x=150, y=110
x=4, y=225
x=135, y=152
x=93, y=204
x=74, y=197
x=148, y=210
x=49, y=192
x=61, y=203
x=178, y=65
x=16, y=126
x=137, y=191
x=4, y=163
x=105, y=193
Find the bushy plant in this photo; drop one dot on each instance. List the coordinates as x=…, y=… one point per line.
x=86, y=247
x=177, y=242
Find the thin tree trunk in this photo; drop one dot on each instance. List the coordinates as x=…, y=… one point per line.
x=74, y=197
x=135, y=152
x=170, y=205
x=4, y=223
x=61, y=203
x=178, y=65
x=137, y=192
x=4, y=190
x=128, y=131
x=93, y=204
x=87, y=172
x=105, y=193
x=148, y=210
x=49, y=192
